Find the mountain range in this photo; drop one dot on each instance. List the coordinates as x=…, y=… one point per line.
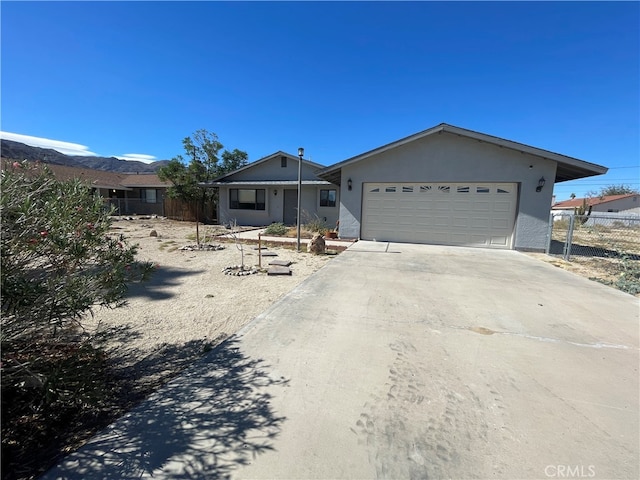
x=19, y=151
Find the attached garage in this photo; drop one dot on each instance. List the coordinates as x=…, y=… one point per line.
x=452, y=186
x=469, y=214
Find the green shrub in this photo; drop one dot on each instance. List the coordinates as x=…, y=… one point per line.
x=58, y=261
x=57, y=257
x=276, y=229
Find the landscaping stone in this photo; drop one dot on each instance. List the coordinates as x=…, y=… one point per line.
x=278, y=270
x=280, y=263
x=239, y=270
x=316, y=245
x=202, y=247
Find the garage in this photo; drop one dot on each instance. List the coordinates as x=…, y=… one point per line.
x=464, y=214
x=451, y=186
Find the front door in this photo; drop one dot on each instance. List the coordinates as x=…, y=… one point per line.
x=290, y=207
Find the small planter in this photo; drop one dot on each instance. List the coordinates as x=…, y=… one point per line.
x=331, y=235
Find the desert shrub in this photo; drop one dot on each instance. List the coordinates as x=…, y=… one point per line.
x=599, y=228
x=276, y=229
x=58, y=261
x=315, y=224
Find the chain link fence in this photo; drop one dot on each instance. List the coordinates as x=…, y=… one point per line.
x=606, y=243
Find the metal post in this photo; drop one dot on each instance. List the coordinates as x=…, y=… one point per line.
x=300, y=154
x=569, y=240
x=549, y=234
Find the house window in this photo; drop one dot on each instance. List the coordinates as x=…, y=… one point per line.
x=247, y=199
x=283, y=162
x=149, y=195
x=327, y=198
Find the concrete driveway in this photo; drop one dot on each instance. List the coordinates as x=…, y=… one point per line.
x=402, y=361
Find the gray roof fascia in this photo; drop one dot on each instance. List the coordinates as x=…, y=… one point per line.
x=111, y=187
x=263, y=182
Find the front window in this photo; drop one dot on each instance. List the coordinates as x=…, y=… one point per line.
x=247, y=199
x=327, y=198
x=149, y=195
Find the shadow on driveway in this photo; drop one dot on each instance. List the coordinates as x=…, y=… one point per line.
x=213, y=418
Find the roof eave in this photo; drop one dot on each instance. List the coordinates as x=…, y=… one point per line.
x=279, y=153
x=576, y=168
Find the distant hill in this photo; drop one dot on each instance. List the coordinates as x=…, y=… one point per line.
x=19, y=151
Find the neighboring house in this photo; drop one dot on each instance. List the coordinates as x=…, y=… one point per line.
x=140, y=194
x=609, y=203
x=266, y=191
x=452, y=186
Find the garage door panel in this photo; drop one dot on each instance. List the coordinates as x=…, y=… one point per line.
x=500, y=241
x=499, y=223
x=448, y=214
x=478, y=240
x=461, y=206
x=482, y=206
x=502, y=206
x=461, y=222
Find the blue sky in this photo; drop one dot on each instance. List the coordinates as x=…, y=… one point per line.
x=338, y=78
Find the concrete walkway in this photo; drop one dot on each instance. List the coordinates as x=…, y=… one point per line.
x=253, y=235
x=402, y=361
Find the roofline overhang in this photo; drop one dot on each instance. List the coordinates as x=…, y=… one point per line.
x=279, y=153
x=572, y=168
x=157, y=185
x=111, y=187
x=264, y=183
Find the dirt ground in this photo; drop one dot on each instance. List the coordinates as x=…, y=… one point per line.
x=188, y=305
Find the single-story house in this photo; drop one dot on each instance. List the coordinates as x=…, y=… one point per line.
x=452, y=186
x=609, y=203
x=140, y=194
x=266, y=191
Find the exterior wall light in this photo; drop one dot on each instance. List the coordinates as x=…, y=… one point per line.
x=541, y=183
x=349, y=184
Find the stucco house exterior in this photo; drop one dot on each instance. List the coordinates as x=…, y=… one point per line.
x=452, y=186
x=610, y=203
x=266, y=191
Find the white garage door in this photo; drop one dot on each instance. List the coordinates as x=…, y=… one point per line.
x=471, y=214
